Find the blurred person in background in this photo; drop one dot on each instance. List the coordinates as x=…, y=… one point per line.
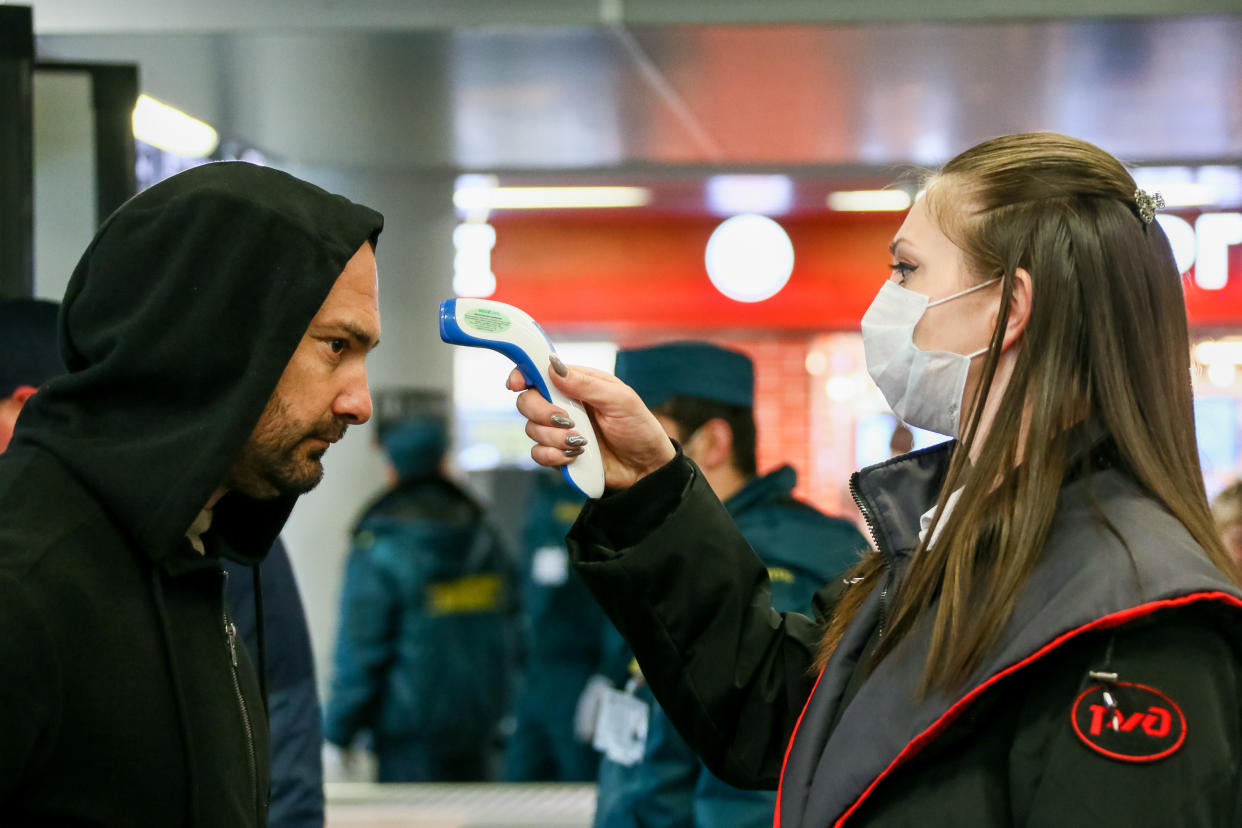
x=1227, y=511
x=902, y=441
x=562, y=633
x=295, y=720
x=1049, y=632
x=427, y=646
x=703, y=396
x=31, y=357
x=216, y=332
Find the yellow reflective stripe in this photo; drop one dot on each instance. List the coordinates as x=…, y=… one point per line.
x=476, y=593
x=780, y=575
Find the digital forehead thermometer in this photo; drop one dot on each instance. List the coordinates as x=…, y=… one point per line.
x=482, y=323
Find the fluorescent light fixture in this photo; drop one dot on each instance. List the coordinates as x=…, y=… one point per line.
x=168, y=128
x=749, y=258
x=1210, y=186
x=472, y=266
x=768, y=195
x=865, y=201
x=1219, y=352
x=549, y=198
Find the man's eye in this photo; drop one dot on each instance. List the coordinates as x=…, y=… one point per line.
x=337, y=345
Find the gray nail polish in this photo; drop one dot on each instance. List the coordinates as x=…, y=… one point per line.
x=562, y=421
x=573, y=452
x=576, y=440
x=558, y=366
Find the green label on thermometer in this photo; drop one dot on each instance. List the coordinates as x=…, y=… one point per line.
x=487, y=321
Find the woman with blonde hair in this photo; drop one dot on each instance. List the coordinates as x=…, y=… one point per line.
x=1049, y=630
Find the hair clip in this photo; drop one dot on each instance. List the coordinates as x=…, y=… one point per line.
x=1148, y=205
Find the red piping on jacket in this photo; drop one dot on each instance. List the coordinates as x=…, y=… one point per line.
x=780, y=785
x=947, y=718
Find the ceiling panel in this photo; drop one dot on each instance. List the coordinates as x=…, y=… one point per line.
x=1147, y=90
x=579, y=98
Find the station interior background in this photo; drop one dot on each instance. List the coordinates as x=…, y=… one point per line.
x=430, y=111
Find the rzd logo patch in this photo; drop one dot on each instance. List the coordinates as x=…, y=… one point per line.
x=1129, y=722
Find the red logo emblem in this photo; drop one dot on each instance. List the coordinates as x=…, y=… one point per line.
x=1129, y=722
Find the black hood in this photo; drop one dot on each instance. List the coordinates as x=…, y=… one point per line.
x=175, y=328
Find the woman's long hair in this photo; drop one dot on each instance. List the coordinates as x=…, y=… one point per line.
x=1106, y=341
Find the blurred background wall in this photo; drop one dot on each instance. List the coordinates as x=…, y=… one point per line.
x=404, y=105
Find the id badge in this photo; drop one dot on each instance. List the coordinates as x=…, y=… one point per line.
x=551, y=566
x=621, y=731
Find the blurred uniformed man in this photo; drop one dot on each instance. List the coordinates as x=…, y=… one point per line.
x=563, y=628
x=428, y=639
x=29, y=356
x=703, y=396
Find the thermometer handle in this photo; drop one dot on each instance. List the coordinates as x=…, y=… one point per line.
x=482, y=323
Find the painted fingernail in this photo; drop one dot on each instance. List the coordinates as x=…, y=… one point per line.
x=576, y=440
x=573, y=452
x=558, y=366
x=562, y=421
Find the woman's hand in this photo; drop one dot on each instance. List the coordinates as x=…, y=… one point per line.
x=631, y=441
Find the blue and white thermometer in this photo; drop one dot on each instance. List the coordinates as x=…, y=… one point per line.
x=482, y=323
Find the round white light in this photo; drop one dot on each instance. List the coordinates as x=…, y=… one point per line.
x=840, y=389
x=749, y=258
x=816, y=363
x=1222, y=374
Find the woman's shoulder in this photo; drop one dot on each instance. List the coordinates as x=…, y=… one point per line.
x=1107, y=529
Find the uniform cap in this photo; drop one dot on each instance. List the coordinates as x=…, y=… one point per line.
x=688, y=369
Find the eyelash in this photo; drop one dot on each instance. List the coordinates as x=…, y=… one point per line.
x=903, y=270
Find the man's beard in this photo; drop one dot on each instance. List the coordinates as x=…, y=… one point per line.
x=274, y=462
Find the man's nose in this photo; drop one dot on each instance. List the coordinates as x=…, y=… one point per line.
x=353, y=404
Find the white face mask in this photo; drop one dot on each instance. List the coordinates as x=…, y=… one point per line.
x=924, y=388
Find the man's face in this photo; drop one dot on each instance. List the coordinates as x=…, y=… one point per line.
x=322, y=391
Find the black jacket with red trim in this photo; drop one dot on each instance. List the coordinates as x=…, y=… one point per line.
x=1112, y=697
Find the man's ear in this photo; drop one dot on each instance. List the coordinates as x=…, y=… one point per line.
x=717, y=443
x=23, y=393
x=1019, y=308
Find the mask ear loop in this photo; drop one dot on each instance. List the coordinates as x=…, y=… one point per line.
x=962, y=293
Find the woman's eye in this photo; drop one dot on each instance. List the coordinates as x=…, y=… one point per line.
x=902, y=271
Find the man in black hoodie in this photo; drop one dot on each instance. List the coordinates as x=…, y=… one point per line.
x=215, y=332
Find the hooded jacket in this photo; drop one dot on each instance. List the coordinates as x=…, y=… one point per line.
x=1133, y=620
x=126, y=697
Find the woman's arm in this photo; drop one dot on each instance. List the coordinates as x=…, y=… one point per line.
x=672, y=571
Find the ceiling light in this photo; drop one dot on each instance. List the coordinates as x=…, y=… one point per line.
x=168, y=128
x=1213, y=352
x=749, y=258
x=768, y=195
x=859, y=201
x=549, y=198
x=1211, y=186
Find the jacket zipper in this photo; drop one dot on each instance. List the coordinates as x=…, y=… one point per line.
x=866, y=513
x=230, y=632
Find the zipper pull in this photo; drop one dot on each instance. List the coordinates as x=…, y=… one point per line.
x=230, y=629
